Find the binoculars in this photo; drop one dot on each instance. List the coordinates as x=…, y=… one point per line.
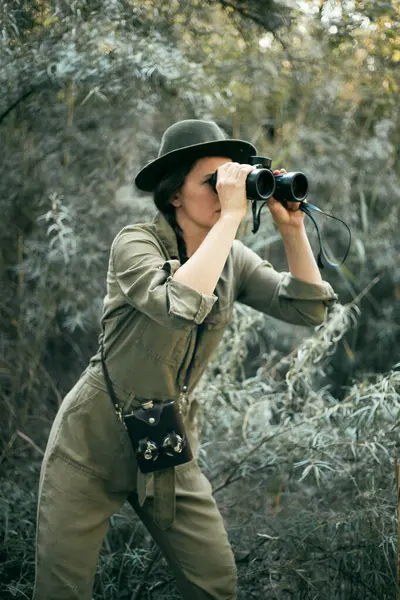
x=261, y=183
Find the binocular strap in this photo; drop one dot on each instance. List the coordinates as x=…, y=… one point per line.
x=307, y=207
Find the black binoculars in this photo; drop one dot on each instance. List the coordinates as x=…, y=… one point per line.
x=261, y=183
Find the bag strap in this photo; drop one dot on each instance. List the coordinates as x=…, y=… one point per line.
x=191, y=365
x=107, y=377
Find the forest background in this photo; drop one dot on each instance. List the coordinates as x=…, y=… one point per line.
x=302, y=424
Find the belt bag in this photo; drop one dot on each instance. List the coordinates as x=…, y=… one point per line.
x=155, y=429
x=158, y=436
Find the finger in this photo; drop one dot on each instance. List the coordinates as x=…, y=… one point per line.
x=240, y=169
x=229, y=166
x=226, y=169
x=236, y=170
x=244, y=171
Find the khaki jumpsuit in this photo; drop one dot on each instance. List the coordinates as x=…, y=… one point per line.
x=89, y=468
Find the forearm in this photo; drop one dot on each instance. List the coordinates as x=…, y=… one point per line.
x=302, y=263
x=204, y=267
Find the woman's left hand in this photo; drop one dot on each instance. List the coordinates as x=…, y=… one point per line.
x=290, y=217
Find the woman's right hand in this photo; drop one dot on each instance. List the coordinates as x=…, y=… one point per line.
x=231, y=188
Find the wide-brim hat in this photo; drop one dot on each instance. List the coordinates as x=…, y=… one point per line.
x=187, y=141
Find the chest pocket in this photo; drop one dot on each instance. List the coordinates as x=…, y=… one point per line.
x=168, y=346
x=165, y=345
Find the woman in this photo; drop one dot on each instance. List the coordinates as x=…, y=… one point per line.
x=171, y=287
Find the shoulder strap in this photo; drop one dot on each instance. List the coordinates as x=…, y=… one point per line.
x=110, y=387
x=191, y=365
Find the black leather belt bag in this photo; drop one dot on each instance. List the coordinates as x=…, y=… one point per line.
x=158, y=436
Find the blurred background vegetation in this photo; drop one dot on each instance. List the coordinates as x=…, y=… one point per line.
x=299, y=426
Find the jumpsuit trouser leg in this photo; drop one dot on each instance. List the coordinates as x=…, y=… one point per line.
x=76, y=502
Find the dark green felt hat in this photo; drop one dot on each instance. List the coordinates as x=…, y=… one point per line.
x=188, y=141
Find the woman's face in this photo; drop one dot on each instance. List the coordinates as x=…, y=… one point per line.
x=196, y=203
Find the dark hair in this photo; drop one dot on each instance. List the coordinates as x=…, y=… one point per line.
x=163, y=193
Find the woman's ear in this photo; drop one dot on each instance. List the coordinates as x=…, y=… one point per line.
x=175, y=200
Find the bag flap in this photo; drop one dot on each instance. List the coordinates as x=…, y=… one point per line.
x=150, y=416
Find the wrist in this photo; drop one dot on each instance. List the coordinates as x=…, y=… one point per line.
x=290, y=232
x=231, y=217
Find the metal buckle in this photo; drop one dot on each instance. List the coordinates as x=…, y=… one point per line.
x=147, y=405
x=118, y=410
x=183, y=402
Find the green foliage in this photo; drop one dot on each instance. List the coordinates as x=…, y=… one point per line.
x=315, y=476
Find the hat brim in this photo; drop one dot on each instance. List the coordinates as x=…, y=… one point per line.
x=148, y=178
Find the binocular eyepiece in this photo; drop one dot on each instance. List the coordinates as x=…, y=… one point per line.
x=261, y=183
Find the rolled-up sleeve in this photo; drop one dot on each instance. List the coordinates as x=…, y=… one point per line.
x=280, y=294
x=145, y=279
